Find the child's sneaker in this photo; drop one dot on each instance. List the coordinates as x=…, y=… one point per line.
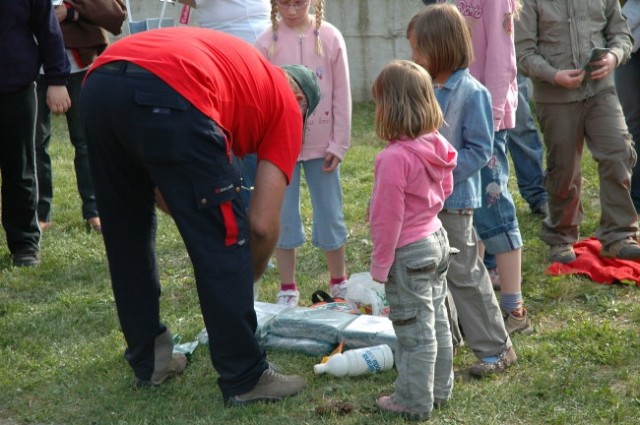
x=515, y=324
x=483, y=368
x=388, y=404
x=289, y=297
x=338, y=290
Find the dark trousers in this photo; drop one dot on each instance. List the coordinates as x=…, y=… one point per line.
x=143, y=134
x=17, y=168
x=627, y=79
x=79, y=142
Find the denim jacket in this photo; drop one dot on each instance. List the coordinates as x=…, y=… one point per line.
x=466, y=105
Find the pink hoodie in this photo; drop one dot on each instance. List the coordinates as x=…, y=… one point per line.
x=328, y=129
x=412, y=179
x=491, y=24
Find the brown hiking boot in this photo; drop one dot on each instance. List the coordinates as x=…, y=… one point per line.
x=515, y=324
x=625, y=249
x=167, y=364
x=562, y=253
x=271, y=386
x=505, y=359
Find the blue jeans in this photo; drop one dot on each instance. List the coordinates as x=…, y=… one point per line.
x=416, y=291
x=526, y=149
x=329, y=231
x=496, y=221
x=79, y=142
x=627, y=79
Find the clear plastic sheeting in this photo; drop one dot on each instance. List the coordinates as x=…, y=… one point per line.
x=366, y=331
x=309, y=346
x=316, y=332
x=320, y=324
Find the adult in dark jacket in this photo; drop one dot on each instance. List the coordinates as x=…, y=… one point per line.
x=30, y=37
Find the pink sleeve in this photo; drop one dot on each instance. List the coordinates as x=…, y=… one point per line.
x=341, y=100
x=500, y=55
x=386, y=213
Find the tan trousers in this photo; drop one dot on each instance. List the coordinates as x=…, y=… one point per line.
x=566, y=126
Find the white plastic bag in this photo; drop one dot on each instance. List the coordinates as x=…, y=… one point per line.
x=367, y=295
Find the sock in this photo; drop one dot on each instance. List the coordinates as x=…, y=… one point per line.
x=490, y=359
x=288, y=286
x=512, y=303
x=337, y=280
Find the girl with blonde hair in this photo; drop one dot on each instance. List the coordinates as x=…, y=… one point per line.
x=296, y=37
x=412, y=178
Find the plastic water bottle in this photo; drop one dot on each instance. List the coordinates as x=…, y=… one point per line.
x=358, y=362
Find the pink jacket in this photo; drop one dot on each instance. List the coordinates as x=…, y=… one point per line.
x=491, y=24
x=329, y=128
x=412, y=179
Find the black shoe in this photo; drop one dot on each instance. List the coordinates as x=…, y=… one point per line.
x=26, y=258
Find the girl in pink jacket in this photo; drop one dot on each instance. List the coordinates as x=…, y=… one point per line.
x=412, y=178
x=300, y=38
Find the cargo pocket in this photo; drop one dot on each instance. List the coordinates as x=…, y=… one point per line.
x=420, y=273
x=224, y=194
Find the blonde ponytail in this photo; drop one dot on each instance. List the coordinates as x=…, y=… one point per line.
x=274, y=28
x=319, y=10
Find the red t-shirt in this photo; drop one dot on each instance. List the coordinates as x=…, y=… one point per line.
x=229, y=81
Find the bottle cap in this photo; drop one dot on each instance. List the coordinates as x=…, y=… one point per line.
x=320, y=368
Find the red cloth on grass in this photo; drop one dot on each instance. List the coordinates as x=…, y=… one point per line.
x=601, y=270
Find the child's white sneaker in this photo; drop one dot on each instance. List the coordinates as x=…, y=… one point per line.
x=289, y=297
x=338, y=290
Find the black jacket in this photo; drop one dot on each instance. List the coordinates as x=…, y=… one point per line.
x=30, y=37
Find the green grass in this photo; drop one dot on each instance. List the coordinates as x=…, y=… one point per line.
x=61, y=347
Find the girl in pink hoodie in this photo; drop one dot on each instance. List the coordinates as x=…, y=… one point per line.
x=412, y=179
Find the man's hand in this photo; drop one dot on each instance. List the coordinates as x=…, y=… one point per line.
x=603, y=66
x=58, y=99
x=160, y=203
x=569, y=78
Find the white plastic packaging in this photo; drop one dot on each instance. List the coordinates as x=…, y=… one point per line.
x=366, y=295
x=358, y=362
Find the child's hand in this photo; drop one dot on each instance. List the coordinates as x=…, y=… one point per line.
x=330, y=163
x=58, y=99
x=603, y=66
x=569, y=78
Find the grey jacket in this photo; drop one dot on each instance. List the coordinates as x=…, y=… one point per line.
x=553, y=35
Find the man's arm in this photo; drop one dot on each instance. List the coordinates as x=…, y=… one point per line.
x=264, y=214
